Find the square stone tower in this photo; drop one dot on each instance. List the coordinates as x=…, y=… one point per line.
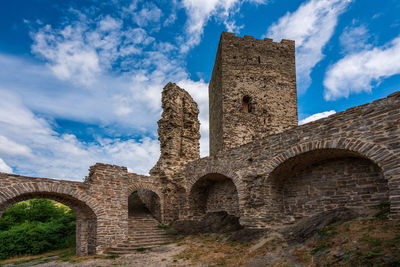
x=252, y=92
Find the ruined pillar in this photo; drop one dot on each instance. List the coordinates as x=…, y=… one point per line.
x=178, y=133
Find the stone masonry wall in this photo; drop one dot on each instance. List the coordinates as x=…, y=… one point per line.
x=222, y=196
x=252, y=91
x=370, y=131
x=212, y=193
x=178, y=130
x=100, y=203
x=343, y=182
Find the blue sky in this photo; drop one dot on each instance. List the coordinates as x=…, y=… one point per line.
x=81, y=81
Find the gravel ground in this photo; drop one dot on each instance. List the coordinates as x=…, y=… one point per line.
x=156, y=257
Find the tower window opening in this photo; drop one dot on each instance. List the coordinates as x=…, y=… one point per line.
x=259, y=60
x=246, y=105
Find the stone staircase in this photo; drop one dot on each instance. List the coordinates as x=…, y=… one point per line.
x=143, y=233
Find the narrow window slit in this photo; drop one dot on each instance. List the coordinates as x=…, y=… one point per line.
x=246, y=104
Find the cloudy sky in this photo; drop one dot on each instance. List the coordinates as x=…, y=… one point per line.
x=80, y=80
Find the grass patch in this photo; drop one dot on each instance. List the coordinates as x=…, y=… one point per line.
x=374, y=242
x=63, y=255
x=319, y=248
x=45, y=257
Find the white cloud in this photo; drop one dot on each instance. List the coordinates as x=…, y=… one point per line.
x=84, y=49
x=69, y=57
x=9, y=147
x=150, y=13
x=4, y=167
x=200, y=12
x=63, y=155
x=316, y=116
x=311, y=26
x=354, y=39
x=358, y=72
x=110, y=100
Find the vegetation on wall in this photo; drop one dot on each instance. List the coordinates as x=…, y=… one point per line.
x=36, y=226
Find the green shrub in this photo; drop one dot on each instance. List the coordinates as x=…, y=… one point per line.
x=36, y=226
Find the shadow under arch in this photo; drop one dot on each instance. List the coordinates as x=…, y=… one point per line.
x=320, y=179
x=86, y=219
x=213, y=192
x=151, y=196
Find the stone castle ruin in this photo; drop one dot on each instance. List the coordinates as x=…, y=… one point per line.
x=263, y=168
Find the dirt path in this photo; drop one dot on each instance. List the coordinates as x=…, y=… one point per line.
x=156, y=257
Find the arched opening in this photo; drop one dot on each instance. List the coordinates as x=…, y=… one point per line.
x=322, y=180
x=212, y=193
x=246, y=104
x=85, y=225
x=144, y=223
x=144, y=202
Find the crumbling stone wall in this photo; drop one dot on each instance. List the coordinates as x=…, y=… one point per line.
x=178, y=132
x=252, y=91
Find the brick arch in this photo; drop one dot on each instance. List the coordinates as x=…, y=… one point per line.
x=151, y=187
x=218, y=170
x=377, y=154
x=82, y=205
x=381, y=156
x=222, y=171
x=146, y=186
x=64, y=192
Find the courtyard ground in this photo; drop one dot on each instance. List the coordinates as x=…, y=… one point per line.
x=358, y=242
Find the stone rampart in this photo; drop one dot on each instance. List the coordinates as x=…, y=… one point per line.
x=348, y=159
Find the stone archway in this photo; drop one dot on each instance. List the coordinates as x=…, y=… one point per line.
x=86, y=219
x=211, y=193
x=151, y=197
x=324, y=179
x=224, y=171
x=378, y=155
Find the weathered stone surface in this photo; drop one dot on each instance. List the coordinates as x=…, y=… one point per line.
x=349, y=158
x=252, y=91
x=267, y=174
x=178, y=132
